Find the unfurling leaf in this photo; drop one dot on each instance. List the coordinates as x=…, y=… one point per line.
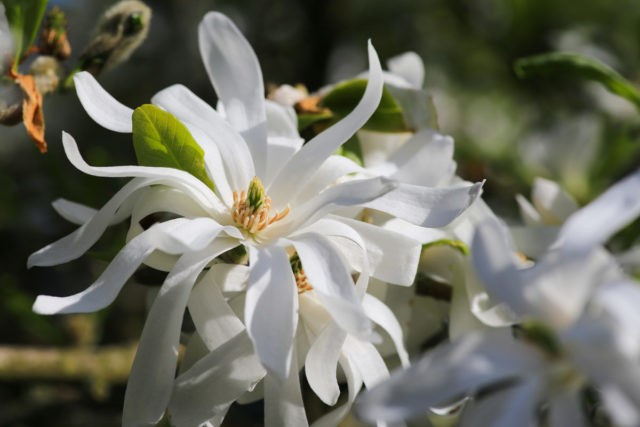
x=24, y=18
x=161, y=140
x=344, y=97
x=32, y=116
x=580, y=66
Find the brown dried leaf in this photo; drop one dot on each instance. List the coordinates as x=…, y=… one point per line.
x=32, y=116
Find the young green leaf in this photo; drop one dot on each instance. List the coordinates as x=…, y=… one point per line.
x=161, y=140
x=581, y=66
x=24, y=18
x=344, y=97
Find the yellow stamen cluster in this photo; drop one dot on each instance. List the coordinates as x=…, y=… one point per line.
x=302, y=282
x=251, y=209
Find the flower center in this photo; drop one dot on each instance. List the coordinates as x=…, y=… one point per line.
x=298, y=272
x=252, y=208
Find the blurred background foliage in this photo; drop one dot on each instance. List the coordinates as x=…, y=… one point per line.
x=506, y=130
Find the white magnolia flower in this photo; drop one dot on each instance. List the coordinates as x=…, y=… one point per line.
x=273, y=197
x=578, y=331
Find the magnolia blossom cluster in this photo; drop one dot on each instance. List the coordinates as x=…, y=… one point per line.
x=294, y=261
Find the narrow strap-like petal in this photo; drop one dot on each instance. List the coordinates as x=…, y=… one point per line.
x=283, y=406
x=236, y=76
x=552, y=202
x=102, y=107
x=152, y=375
x=353, y=193
x=513, y=406
x=271, y=308
x=321, y=363
x=332, y=283
x=73, y=212
x=215, y=321
x=449, y=372
x=425, y=159
x=213, y=383
x=77, y=243
x=168, y=176
x=175, y=236
x=494, y=261
x=409, y=66
x=305, y=162
x=334, y=168
x=595, y=223
x=392, y=257
x=427, y=206
x=354, y=384
x=383, y=316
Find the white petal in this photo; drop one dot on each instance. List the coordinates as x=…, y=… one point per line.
x=75, y=244
x=334, y=168
x=448, y=373
x=377, y=147
x=102, y=107
x=553, y=203
x=282, y=121
x=305, y=162
x=383, y=316
x=506, y=408
x=366, y=359
x=151, y=379
x=321, y=363
x=231, y=277
x=595, y=223
x=355, y=254
x=271, y=308
x=283, y=406
x=175, y=236
x=351, y=193
x=332, y=283
x=425, y=159
x=427, y=206
x=281, y=149
x=235, y=74
x=409, y=66
x=215, y=321
x=190, y=109
x=493, y=259
x=392, y=257
x=528, y=213
x=168, y=176
x=104, y=290
x=534, y=240
x=73, y=212
x=354, y=384
x=210, y=386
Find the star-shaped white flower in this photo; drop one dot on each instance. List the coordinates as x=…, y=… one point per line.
x=271, y=197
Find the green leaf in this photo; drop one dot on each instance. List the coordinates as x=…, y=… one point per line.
x=344, y=97
x=24, y=18
x=578, y=65
x=352, y=150
x=307, y=119
x=161, y=140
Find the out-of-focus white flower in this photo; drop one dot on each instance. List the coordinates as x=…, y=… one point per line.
x=549, y=208
x=575, y=307
x=273, y=197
